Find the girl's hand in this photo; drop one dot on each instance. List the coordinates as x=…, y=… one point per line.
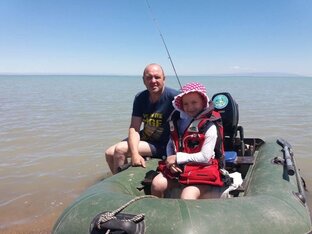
x=171, y=160
x=175, y=169
x=172, y=164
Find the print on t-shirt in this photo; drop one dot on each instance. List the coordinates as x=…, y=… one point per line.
x=152, y=126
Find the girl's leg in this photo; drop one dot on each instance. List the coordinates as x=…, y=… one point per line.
x=194, y=191
x=159, y=185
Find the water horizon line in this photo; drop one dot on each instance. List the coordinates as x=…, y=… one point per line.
x=253, y=74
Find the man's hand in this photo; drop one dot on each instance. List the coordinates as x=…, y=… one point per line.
x=138, y=160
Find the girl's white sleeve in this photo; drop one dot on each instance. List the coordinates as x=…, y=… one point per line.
x=207, y=151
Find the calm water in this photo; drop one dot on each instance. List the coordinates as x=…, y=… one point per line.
x=54, y=129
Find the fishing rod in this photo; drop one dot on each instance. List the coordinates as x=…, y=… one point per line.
x=163, y=40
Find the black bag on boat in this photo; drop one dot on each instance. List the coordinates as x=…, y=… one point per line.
x=121, y=224
x=147, y=182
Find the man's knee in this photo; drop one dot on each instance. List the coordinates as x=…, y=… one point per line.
x=121, y=149
x=109, y=153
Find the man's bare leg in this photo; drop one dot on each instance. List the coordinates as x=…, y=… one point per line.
x=109, y=155
x=122, y=153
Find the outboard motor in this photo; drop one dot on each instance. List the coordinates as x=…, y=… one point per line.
x=228, y=109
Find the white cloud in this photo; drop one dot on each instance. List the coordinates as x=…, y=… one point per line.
x=235, y=67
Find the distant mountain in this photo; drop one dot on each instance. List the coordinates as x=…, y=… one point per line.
x=265, y=74
x=253, y=74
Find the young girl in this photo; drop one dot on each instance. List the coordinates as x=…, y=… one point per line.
x=196, y=136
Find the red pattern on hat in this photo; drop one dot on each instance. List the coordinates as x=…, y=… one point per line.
x=189, y=88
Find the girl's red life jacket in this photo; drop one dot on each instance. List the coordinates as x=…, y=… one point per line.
x=191, y=141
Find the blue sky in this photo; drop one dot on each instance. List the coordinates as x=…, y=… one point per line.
x=120, y=37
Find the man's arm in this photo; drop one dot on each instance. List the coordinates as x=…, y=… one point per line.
x=133, y=141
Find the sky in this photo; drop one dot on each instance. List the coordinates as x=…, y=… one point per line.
x=120, y=37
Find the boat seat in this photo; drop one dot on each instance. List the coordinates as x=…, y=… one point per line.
x=231, y=159
x=228, y=109
x=245, y=160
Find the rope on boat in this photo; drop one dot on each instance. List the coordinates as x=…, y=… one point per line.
x=112, y=215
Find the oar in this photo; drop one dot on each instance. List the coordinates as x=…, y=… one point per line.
x=287, y=152
x=292, y=168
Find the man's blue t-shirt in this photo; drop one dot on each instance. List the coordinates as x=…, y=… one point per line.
x=155, y=116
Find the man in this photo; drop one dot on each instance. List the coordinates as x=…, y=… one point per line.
x=151, y=107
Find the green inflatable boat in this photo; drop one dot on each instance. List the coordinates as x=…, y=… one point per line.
x=271, y=198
